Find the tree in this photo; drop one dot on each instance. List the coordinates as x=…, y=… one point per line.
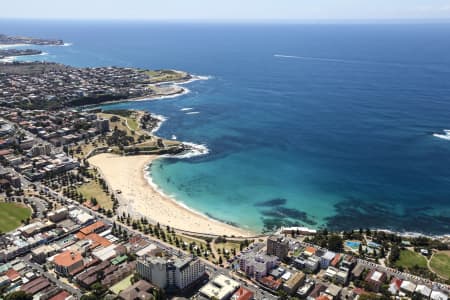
x=89, y=297
x=335, y=243
x=98, y=289
x=382, y=254
x=19, y=295
x=372, y=297
x=394, y=255
x=282, y=295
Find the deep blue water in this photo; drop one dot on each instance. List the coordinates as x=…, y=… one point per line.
x=338, y=134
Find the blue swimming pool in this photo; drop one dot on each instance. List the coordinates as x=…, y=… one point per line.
x=353, y=244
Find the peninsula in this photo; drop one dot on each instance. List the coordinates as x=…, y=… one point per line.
x=18, y=52
x=23, y=40
x=43, y=85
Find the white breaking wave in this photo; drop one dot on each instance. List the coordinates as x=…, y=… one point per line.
x=11, y=59
x=161, y=120
x=148, y=176
x=8, y=59
x=6, y=46
x=174, y=137
x=195, y=150
x=195, y=78
x=66, y=44
x=186, y=109
x=208, y=77
x=193, y=113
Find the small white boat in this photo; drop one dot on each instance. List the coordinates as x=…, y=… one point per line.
x=445, y=136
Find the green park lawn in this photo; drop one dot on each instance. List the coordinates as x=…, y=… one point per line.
x=94, y=190
x=408, y=259
x=12, y=215
x=440, y=263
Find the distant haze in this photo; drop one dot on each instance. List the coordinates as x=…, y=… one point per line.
x=229, y=10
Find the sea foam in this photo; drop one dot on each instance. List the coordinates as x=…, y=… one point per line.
x=195, y=78
x=161, y=119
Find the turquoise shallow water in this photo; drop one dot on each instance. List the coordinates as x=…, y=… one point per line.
x=317, y=125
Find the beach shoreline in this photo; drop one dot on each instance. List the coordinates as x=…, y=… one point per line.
x=139, y=198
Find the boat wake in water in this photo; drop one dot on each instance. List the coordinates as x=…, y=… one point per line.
x=444, y=136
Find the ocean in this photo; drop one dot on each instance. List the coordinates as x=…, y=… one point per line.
x=309, y=125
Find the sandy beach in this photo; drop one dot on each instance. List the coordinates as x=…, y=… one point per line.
x=139, y=198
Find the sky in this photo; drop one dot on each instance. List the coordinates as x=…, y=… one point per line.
x=210, y=10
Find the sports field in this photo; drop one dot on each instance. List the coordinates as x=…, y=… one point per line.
x=12, y=215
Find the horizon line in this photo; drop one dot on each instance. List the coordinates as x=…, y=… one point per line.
x=248, y=21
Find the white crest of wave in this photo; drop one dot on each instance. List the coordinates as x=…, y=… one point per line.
x=192, y=112
x=161, y=119
x=8, y=59
x=195, y=78
x=186, y=108
x=207, y=77
x=194, y=150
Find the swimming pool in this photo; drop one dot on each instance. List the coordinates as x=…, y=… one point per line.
x=352, y=244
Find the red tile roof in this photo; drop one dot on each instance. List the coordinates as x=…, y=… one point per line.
x=270, y=282
x=311, y=250
x=397, y=282
x=92, y=228
x=96, y=239
x=67, y=258
x=336, y=260
x=242, y=294
x=12, y=274
x=60, y=296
